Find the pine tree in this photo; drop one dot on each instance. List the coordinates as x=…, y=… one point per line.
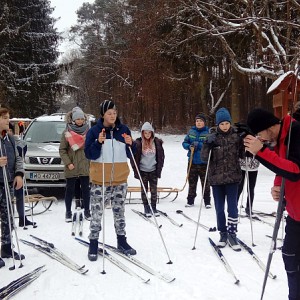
x=31, y=73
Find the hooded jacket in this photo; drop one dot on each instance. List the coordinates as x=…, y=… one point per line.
x=113, y=153
x=69, y=155
x=160, y=155
x=224, y=166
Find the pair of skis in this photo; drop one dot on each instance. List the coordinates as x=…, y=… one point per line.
x=161, y=213
x=77, y=222
x=249, y=251
x=50, y=250
x=131, y=259
x=17, y=285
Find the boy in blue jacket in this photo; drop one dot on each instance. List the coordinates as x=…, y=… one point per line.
x=194, y=141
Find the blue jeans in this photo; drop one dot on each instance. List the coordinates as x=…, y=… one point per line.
x=230, y=192
x=70, y=191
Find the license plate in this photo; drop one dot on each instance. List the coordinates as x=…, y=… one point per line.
x=44, y=176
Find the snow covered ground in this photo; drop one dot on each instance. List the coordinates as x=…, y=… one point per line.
x=199, y=273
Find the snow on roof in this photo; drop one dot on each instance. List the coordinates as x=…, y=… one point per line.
x=275, y=85
x=51, y=118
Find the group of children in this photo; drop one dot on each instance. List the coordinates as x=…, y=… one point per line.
x=99, y=155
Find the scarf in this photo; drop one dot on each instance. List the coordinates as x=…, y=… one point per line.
x=75, y=135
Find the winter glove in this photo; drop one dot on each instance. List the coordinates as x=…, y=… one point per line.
x=211, y=140
x=194, y=145
x=243, y=129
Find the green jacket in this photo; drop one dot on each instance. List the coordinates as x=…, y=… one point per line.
x=77, y=158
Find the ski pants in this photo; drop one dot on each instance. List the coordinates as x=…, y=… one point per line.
x=5, y=232
x=151, y=178
x=291, y=257
x=70, y=191
x=198, y=171
x=116, y=195
x=252, y=175
x=228, y=191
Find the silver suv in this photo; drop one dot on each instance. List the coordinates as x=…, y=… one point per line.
x=43, y=165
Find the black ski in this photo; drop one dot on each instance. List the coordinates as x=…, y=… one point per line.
x=164, y=214
x=74, y=223
x=55, y=254
x=255, y=257
x=223, y=260
x=210, y=229
x=115, y=261
x=138, y=263
x=15, y=286
x=142, y=215
x=80, y=223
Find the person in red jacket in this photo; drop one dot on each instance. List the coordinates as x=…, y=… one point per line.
x=270, y=130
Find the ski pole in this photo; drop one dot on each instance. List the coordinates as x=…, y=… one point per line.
x=144, y=189
x=249, y=202
x=202, y=198
x=103, y=208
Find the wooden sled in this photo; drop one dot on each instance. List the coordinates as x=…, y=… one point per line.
x=33, y=200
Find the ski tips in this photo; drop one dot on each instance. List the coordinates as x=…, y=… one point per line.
x=212, y=229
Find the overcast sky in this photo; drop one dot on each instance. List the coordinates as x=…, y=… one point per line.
x=66, y=11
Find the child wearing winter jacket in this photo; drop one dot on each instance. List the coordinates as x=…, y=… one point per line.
x=71, y=151
x=196, y=167
x=149, y=158
x=224, y=174
x=107, y=146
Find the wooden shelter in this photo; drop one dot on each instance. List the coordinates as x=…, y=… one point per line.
x=286, y=92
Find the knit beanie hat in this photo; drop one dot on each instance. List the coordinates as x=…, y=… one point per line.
x=105, y=106
x=260, y=119
x=77, y=113
x=222, y=115
x=147, y=126
x=202, y=117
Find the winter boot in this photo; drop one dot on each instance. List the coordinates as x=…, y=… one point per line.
x=233, y=243
x=156, y=213
x=124, y=247
x=87, y=215
x=147, y=210
x=190, y=202
x=93, y=250
x=27, y=222
x=68, y=216
x=2, y=263
x=223, y=240
x=7, y=252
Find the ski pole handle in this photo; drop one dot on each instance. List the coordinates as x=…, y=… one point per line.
x=102, y=136
x=127, y=138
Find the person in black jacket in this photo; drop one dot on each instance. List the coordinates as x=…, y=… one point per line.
x=224, y=173
x=149, y=158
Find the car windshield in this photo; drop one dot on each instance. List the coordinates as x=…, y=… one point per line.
x=45, y=132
